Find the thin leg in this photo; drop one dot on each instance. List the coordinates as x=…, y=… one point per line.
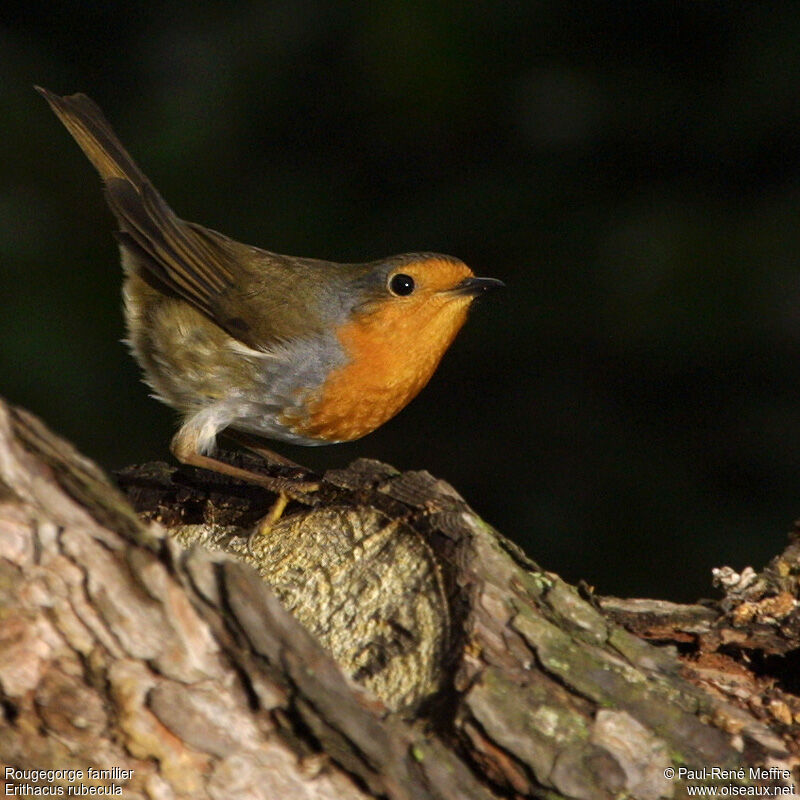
x=266, y=523
x=292, y=488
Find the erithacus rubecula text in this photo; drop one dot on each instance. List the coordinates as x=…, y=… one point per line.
x=235, y=337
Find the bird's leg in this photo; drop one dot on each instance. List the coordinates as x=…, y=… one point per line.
x=185, y=448
x=285, y=488
x=256, y=445
x=265, y=524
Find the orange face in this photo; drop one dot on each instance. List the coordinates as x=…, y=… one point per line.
x=393, y=347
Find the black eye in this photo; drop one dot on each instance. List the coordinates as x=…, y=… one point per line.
x=401, y=284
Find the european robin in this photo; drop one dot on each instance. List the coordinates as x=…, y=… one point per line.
x=235, y=337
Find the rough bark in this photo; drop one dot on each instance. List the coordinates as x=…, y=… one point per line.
x=485, y=676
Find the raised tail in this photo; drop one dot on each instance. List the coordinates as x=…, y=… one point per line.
x=90, y=129
x=188, y=259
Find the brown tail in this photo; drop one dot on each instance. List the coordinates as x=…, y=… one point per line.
x=90, y=129
x=193, y=262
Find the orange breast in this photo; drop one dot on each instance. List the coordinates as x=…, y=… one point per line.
x=393, y=351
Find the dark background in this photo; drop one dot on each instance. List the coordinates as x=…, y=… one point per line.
x=628, y=410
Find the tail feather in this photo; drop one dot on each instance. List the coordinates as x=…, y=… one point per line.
x=90, y=129
x=187, y=259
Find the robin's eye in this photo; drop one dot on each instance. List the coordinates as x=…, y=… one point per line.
x=401, y=284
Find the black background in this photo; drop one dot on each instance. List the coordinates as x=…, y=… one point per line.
x=628, y=410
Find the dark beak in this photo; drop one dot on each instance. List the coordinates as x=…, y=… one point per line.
x=477, y=286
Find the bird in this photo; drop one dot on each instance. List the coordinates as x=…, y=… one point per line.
x=260, y=345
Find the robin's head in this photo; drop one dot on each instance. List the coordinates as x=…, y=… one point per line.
x=426, y=293
x=413, y=305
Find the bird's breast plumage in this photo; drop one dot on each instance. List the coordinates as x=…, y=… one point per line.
x=390, y=355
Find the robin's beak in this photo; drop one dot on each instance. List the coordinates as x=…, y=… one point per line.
x=477, y=286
